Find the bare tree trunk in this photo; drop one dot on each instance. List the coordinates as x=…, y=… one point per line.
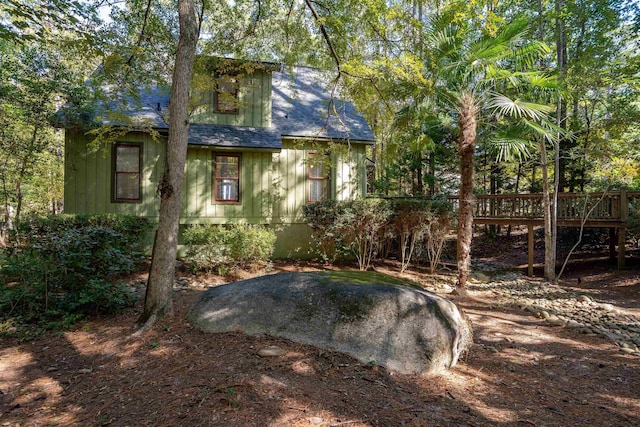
x=158, y=298
x=516, y=191
x=561, y=58
x=24, y=164
x=549, y=244
x=467, y=124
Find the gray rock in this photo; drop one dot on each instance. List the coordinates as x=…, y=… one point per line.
x=373, y=317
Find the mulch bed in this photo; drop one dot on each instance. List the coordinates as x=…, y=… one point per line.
x=519, y=372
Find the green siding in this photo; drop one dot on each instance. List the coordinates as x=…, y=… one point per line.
x=273, y=186
x=87, y=188
x=254, y=109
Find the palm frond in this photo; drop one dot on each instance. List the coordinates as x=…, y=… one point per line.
x=547, y=130
x=508, y=148
x=518, y=108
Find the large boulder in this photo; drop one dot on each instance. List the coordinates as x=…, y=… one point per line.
x=371, y=316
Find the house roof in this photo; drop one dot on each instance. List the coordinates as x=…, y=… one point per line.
x=302, y=107
x=234, y=137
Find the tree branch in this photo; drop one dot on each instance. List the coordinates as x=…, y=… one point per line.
x=326, y=37
x=142, y=31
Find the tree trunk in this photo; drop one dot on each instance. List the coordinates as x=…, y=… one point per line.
x=467, y=124
x=561, y=58
x=549, y=244
x=158, y=298
x=432, y=173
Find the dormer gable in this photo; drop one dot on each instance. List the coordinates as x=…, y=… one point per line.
x=231, y=92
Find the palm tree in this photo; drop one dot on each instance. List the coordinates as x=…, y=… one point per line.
x=477, y=78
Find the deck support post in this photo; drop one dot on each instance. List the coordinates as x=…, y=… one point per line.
x=530, y=247
x=622, y=231
x=612, y=243
x=622, y=234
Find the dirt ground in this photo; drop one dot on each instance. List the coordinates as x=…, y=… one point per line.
x=519, y=372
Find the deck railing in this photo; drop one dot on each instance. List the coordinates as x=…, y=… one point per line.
x=605, y=206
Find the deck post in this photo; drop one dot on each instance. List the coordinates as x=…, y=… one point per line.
x=530, y=247
x=622, y=231
x=612, y=242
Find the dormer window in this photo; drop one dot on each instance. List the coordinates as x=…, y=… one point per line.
x=226, y=101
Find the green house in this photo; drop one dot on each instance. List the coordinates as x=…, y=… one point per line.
x=262, y=144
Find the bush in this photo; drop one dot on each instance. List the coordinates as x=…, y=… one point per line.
x=410, y=224
x=348, y=228
x=222, y=247
x=360, y=223
x=361, y=227
x=321, y=218
x=61, y=268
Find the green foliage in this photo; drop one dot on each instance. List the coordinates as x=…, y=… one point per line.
x=60, y=268
x=224, y=247
x=360, y=223
x=322, y=217
x=634, y=221
x=420, y=226
x=360, y=228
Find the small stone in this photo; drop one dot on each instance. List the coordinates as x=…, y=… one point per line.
x=584, y=298
x=532, y=309
x=480, y=277
x=271, y=351
x=627, y=350
x=544, y=314
x=607, y=307
x=555, y=321
x=612, y=336
x=316, y=420
x=85, y=371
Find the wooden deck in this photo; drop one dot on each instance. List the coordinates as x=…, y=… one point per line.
x=607, y=210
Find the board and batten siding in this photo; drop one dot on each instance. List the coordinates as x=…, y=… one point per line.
x=198, y=199
x=273, y=185
x=347, y=176
x=254, y=104
x=88, y=176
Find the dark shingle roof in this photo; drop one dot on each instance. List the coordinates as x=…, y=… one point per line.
x=235, y=137
x=301, y=105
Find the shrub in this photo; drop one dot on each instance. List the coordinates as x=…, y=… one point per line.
x=221, y=247
x=439, y=223
x=361, y=227
x=348, y=228
x=360, y=223
x=321, y=218
x=409, y=224
x=61, y=268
